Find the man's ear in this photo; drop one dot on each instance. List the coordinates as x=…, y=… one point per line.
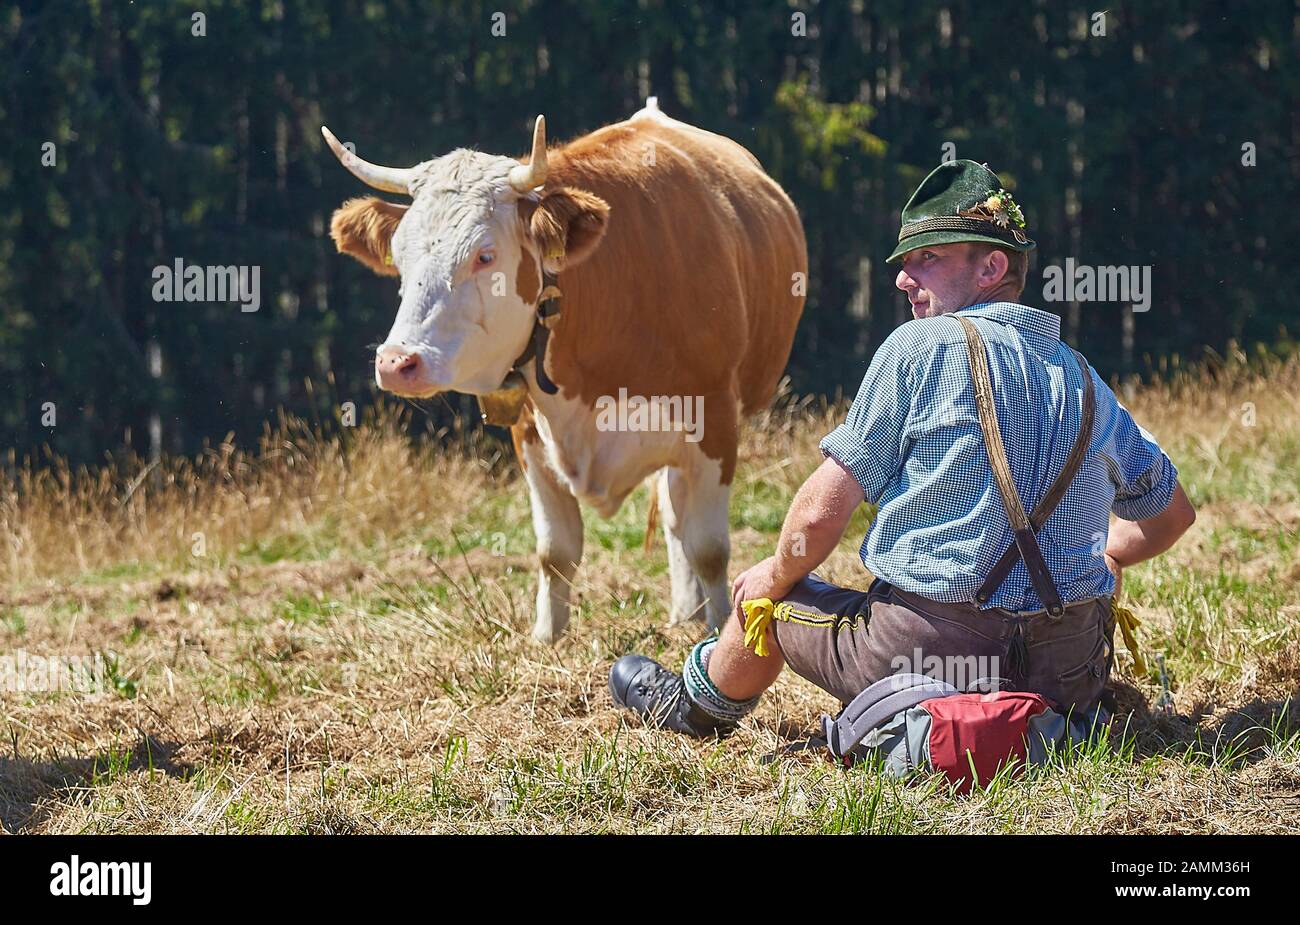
x=364, y=228
x=567, y=224
x=993, y=268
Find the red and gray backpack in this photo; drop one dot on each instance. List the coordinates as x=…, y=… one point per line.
x=918, y=723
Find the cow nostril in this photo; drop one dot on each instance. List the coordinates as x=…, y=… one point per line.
x=396, y=363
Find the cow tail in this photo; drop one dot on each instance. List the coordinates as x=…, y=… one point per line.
x=652, y=515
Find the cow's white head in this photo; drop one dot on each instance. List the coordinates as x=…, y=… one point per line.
x=469, y=249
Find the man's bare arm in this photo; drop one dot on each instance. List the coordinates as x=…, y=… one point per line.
x=818, y=516
x=815, y=522
x=1134, y=541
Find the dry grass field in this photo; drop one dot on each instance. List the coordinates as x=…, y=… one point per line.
x=330, y=633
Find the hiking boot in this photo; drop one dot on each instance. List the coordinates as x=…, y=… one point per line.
x=647, y=688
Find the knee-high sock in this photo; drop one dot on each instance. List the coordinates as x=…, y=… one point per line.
x=705, y=694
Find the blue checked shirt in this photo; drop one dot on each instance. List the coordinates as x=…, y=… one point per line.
x=912, y=439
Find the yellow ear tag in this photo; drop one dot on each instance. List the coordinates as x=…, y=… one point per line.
x=388, y=260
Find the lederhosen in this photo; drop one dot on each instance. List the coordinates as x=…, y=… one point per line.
x=843, y=639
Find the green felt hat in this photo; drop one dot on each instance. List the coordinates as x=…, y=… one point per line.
x=961, y=201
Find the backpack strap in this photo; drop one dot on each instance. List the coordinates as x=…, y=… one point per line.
x=878, y=704
x=1023, y=526
x=992, y=684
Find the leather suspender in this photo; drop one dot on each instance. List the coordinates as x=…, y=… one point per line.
x=1024, y=527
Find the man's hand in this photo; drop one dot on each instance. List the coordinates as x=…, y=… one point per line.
x=761, y=580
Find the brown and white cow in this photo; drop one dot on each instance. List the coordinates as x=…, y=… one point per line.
x=682, y=267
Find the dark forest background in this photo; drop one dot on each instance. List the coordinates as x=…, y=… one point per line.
x=1124, y=149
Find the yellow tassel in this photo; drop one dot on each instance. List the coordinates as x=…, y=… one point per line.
x=1128, y=624
x=758, y=616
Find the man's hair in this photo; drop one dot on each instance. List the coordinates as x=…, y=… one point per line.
x=1017, y=262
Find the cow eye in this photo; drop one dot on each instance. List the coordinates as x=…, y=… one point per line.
x=485, y=258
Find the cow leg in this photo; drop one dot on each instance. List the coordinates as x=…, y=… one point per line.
x=693, y=502
x=557, y=524
x=687, y=595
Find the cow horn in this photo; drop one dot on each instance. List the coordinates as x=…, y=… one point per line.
x=529, y=176
x=388, y=179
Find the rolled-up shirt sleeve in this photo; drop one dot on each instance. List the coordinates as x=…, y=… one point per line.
x=870, y=441
x=1146, y=475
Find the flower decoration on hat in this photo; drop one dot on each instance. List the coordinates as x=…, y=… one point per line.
x=1000, y=209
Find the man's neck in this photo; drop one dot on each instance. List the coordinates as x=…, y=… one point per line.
x=996, y=294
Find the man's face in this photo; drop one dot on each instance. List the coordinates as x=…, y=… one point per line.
x=941, y=278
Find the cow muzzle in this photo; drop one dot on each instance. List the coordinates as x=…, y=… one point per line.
x=399, y=369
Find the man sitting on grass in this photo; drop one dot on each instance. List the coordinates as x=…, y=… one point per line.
x=952, y=578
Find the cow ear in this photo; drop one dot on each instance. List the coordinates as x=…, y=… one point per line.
x=364, y=229
x=566, y=224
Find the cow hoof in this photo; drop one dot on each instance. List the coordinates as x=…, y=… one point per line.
x=678, y=617
x=547, y=635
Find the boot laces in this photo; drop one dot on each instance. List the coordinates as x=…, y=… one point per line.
x=663, y=690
